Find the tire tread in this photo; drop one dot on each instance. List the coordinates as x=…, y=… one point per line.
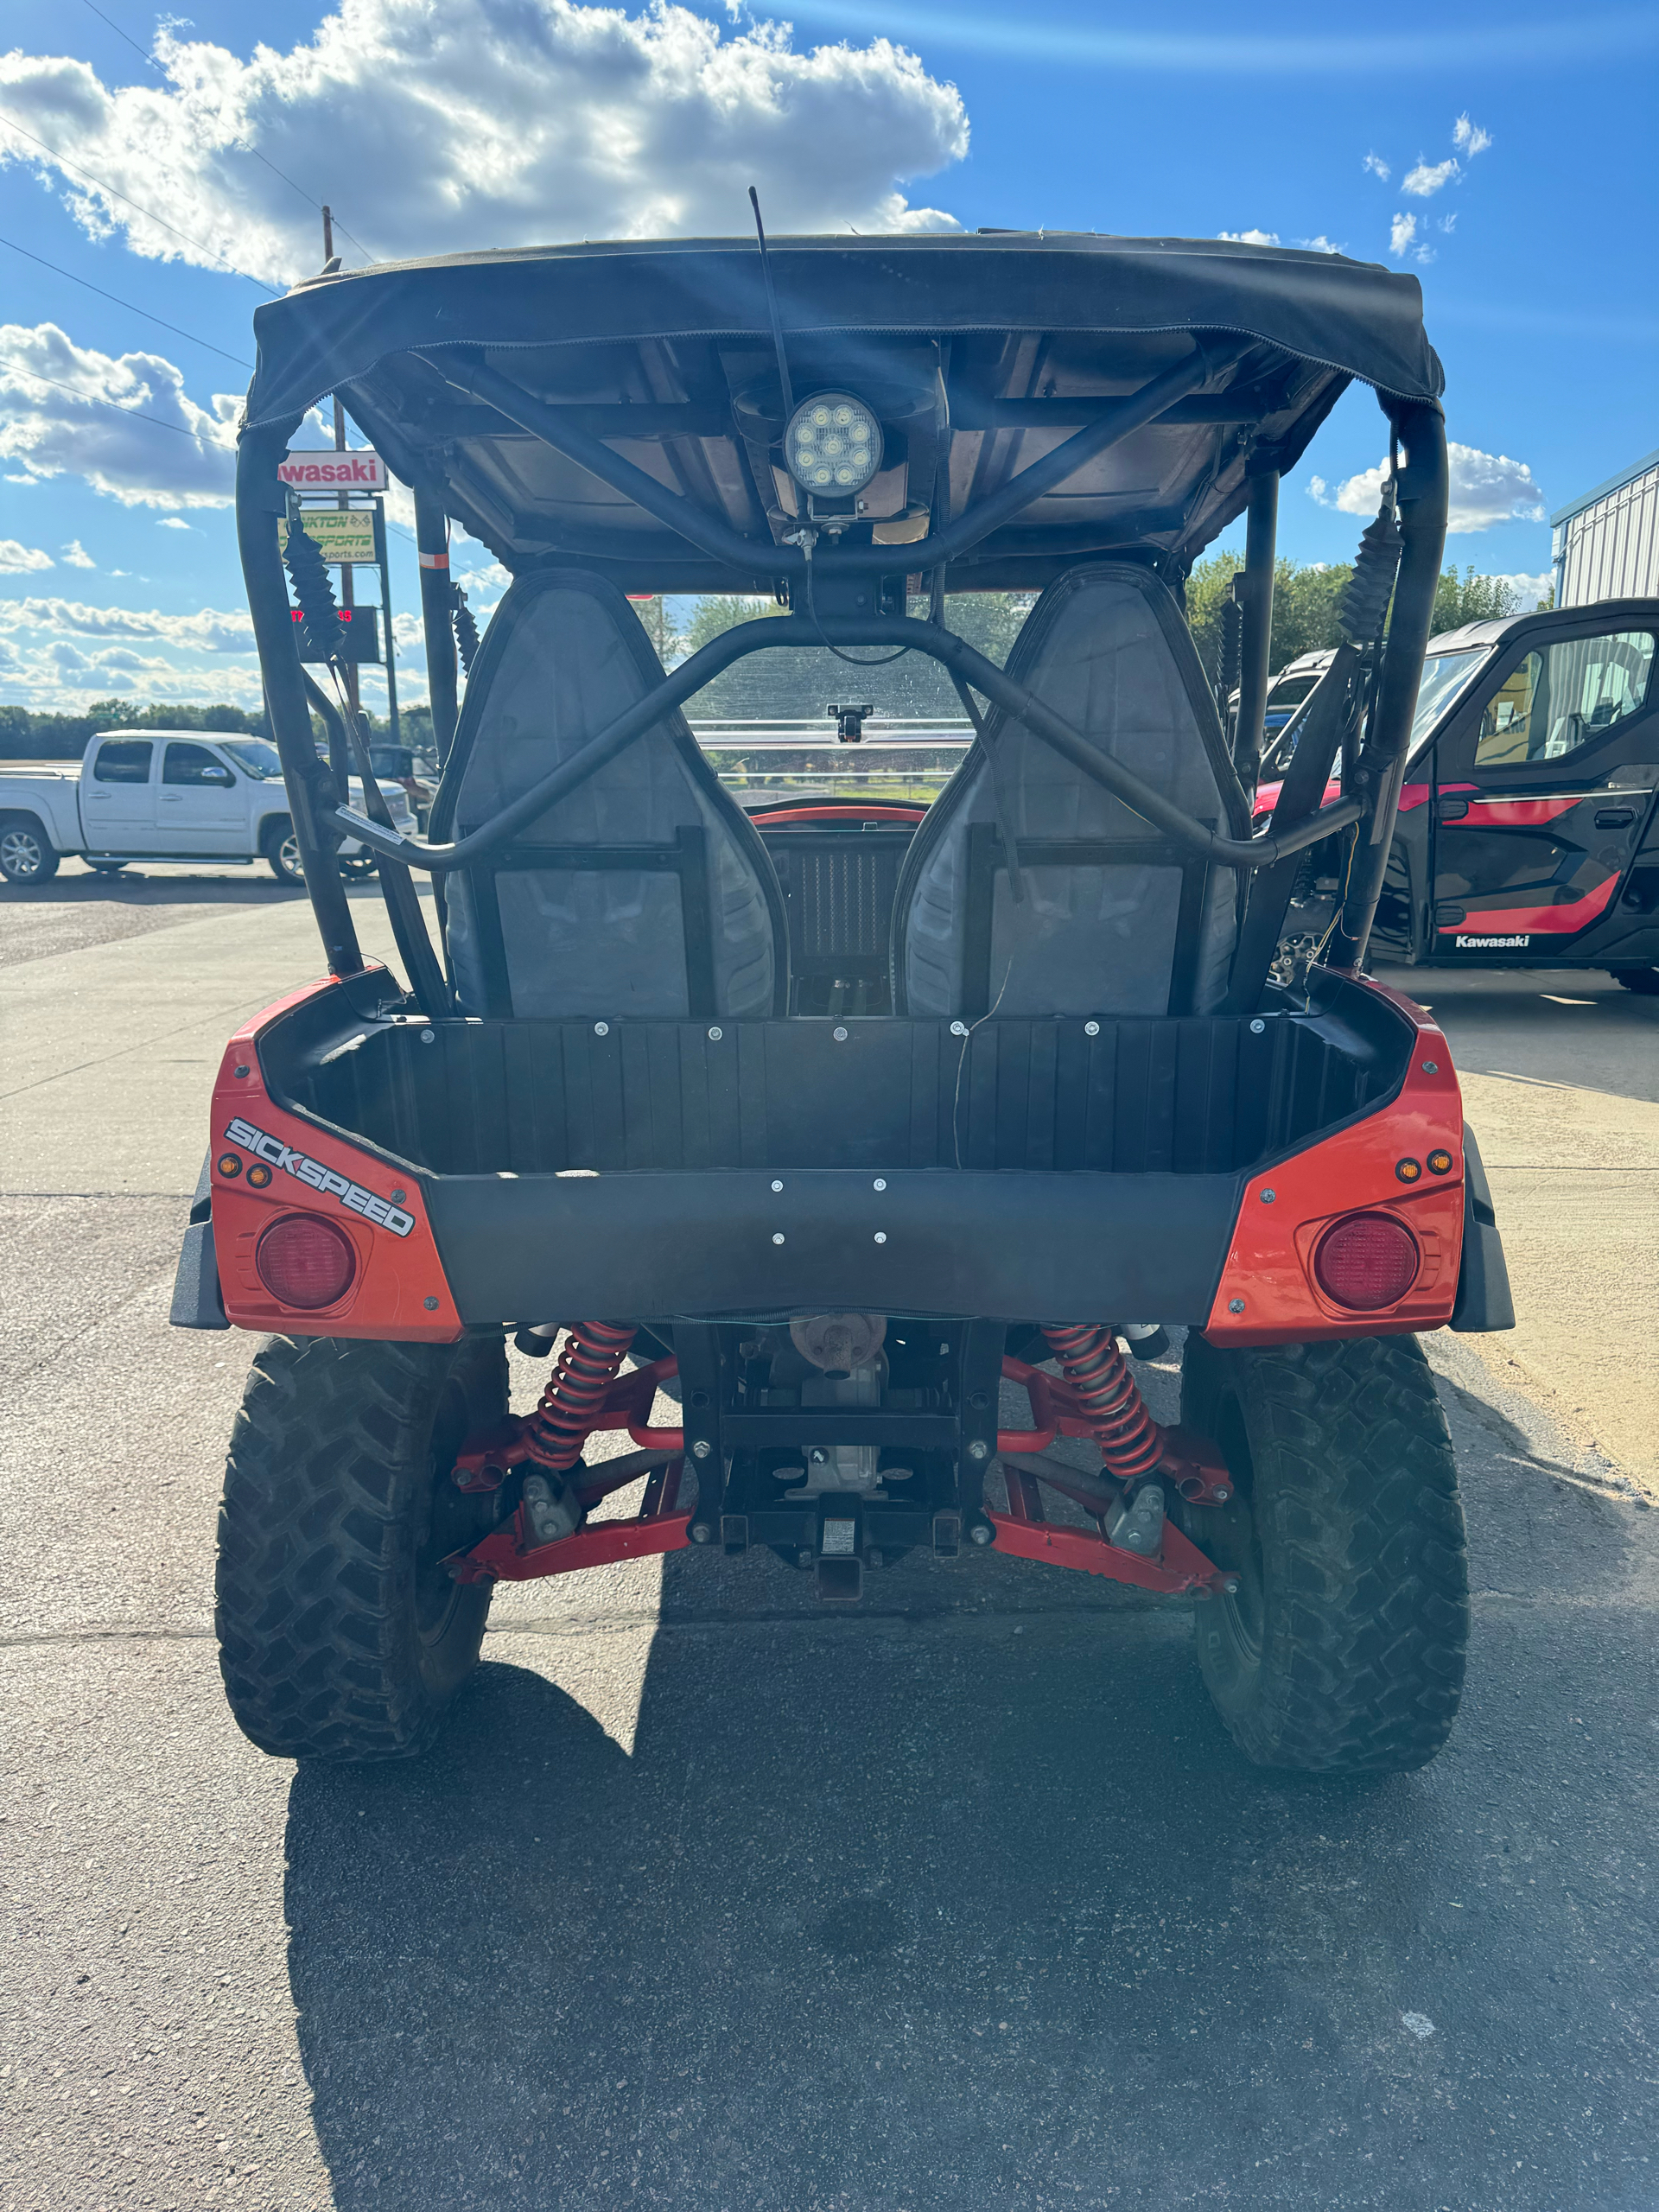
x=317, y=1551
x=1362, y=1537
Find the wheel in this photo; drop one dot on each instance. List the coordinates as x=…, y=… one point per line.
x=1645, y=982
x=1342, y=1652
x=282, y=852
x=107, y=867
x=340, y=1637
x=27, y=854
x=358, y=866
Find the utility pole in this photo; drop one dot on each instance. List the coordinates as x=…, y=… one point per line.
x=341, y=499
x=438, y=610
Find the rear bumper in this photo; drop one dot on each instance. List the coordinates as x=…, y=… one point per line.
x=720, y=1244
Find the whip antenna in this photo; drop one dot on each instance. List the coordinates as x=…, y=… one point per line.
x=772, y=306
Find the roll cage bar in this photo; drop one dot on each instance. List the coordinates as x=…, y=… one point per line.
x=823, y=580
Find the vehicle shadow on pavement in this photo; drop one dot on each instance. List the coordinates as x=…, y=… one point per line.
x=875, y=1914
x=901, y=1908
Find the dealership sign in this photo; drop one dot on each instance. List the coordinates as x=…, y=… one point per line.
x=341, y=534
x=360, y=470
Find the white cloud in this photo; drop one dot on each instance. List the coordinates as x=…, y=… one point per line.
x=1377, y=167
x=61, y=409
x=1320, y=245
x=1486, y=489
x=60, y=675
x=75, y=555
x=494, y=577
x=16, y=559
x=1249, y=238
x=1426, y=179
x=172, y=522
x=207, y=631
x=491, y=123
x=1401, y=232
x=1469, y=138
x=1530, y=591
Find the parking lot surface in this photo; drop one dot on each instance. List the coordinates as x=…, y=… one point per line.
x=709, y=1899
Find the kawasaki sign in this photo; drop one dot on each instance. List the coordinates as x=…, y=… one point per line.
x=330, y=471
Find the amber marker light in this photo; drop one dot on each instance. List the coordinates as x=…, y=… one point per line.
x=1409, y=1171
x=1439, y=1163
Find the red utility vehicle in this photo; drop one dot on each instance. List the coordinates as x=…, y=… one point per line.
x=878, y=1142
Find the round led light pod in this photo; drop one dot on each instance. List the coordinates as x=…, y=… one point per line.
x=833, y=445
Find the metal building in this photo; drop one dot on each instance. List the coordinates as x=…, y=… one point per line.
x=1606, y=545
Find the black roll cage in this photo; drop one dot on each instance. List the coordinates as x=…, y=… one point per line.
x=1299, y=821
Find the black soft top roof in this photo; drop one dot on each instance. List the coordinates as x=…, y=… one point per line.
x=980, y=353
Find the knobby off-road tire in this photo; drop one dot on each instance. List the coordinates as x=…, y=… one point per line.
x=340, y=1636
x=1343, y=1652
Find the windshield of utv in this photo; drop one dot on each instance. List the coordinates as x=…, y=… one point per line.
x=822, y=727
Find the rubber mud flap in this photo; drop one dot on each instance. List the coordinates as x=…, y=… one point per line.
x=1484, y=1305
x=197, y=1300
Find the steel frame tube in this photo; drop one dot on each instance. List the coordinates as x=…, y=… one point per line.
x=1425, y=490
x=398, y=891
x=1321, y=722
x=258, y=504
x=1261, y=535
x=437, y=619
x=729, y=547
x=942, y=645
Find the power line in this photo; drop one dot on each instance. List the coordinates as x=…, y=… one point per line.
x=137, y=414
x=153, y=63
x=147, y=213
x=127, y=304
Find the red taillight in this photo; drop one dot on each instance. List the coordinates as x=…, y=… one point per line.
x=1367, y=1261
x=305, y=1263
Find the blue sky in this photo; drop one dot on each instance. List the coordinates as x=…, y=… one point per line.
x=1500, y=155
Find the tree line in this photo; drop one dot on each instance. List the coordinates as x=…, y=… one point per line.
x=1306, y=600
x=28, y=736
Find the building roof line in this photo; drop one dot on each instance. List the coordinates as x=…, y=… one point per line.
x=1604, y=490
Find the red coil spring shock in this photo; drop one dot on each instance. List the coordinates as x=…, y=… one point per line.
x=1131, y=1442
x=558, y=1428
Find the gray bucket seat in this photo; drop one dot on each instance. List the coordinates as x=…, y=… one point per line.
x=1102, y=914
x=646, y=891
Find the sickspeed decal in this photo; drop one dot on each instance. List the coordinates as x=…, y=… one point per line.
x=1491, y=944
x=316, y=1177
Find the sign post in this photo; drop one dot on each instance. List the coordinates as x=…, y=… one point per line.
x=349, y=536
x=386, y=611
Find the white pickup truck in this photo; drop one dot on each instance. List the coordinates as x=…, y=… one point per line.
x=163, y=795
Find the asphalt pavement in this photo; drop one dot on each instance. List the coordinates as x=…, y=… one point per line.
x=708, y=1900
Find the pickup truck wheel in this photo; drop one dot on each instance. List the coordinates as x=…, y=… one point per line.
x=1343, y=1650
x=281, y=851
x=27, y=854
x=341, y=1634
x=357, y=868
x=1645, y=982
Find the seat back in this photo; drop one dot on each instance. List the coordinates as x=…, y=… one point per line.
x=1105, y=915
x=646, y=891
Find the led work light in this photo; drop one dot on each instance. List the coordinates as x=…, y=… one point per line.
x=833, y=445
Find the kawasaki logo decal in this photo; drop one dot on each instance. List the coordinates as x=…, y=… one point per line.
x=1492, y=944
x=316, y=1177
